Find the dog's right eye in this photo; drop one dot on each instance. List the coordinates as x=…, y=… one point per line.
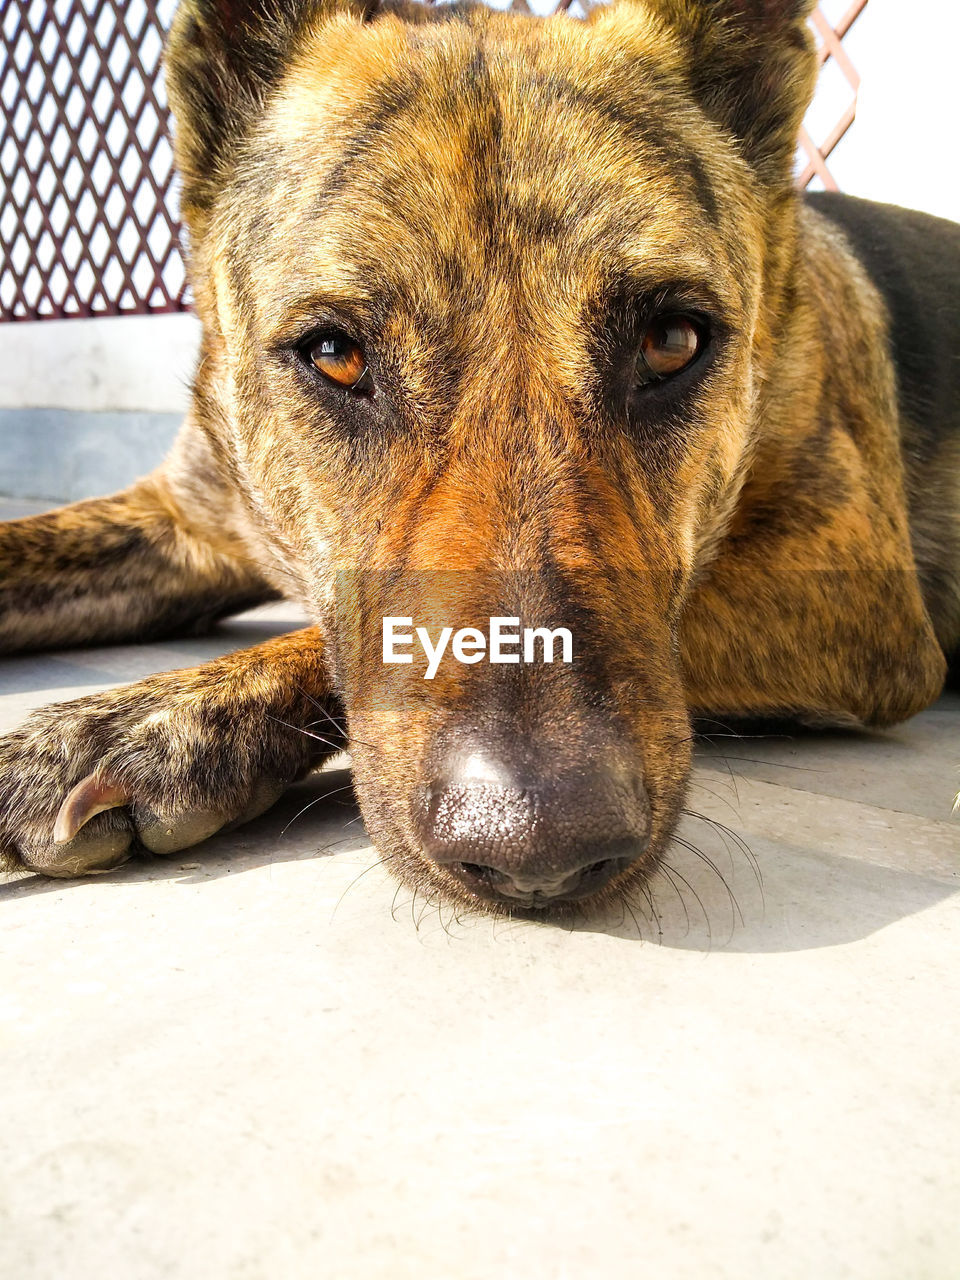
x=339, y=359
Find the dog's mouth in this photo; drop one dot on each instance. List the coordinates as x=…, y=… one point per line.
x=516, y=894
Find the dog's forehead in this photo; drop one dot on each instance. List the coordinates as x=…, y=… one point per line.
x=471, y=151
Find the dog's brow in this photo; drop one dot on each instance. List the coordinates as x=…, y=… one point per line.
x=293, y=319
x=647, y=287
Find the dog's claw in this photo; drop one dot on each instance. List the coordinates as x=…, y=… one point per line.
x=92, y=795
x=88, y=785
x=160, y=834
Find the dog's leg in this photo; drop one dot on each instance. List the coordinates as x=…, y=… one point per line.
x=132, y=566
x=823, y=646
x=164, y=763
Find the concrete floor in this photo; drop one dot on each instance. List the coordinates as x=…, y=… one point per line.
x=257, y=1060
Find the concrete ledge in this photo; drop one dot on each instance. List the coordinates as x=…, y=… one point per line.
x=64, y=455
x=128, y=364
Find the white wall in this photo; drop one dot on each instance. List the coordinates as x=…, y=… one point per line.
x=134, y=364
x=86, y=406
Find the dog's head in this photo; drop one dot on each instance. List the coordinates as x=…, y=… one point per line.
x=488, y=304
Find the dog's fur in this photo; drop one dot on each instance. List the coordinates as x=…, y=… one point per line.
x=495, y=203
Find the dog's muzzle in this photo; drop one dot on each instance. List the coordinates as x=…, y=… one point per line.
x=530, y=839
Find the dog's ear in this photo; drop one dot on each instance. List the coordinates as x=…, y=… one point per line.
x=222, y=58
x=752, y=67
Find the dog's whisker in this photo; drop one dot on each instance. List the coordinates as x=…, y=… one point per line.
x=314, y=801
x=296, y=728
x=727, y=833
x=721, y=799
x=737, y=914
x=683, y=880
x=379, y=864
x=777, y=764
x=393, y=904
x=427, y=905
x=444, y=924
x=633, y=916
x=325, y=713
x=646, y=890
x=664, y=870
x=728, y=731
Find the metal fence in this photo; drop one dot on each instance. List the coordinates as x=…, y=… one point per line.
x=831, y=50
x=88, y=210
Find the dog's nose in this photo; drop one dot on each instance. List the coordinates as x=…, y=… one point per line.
x=534, y=839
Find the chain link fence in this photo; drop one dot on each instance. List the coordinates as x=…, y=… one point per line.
x=88, y=208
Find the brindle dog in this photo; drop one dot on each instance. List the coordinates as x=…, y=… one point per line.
x=505, y=316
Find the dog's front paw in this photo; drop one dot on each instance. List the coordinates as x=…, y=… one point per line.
x=161, y=765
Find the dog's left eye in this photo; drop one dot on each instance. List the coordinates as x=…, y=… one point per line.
x=669, y=344
x=341, y=360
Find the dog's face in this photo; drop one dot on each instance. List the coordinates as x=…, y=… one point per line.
x=487, y=302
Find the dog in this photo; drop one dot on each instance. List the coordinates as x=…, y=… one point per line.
x=513, y=319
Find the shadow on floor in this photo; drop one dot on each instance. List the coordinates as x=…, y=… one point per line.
x=801, y=899
x=712, y=891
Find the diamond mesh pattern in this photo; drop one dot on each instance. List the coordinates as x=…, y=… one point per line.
x=88, y=203
x=88, y=221
x=814, y=156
